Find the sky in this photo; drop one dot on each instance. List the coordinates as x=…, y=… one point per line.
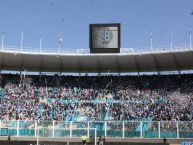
x=71, y=19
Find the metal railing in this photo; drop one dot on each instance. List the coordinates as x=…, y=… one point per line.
x=124, y=129
x=61, y=51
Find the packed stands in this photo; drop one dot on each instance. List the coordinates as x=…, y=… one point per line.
x=96, y=98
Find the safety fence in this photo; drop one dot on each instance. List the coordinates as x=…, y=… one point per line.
x=124, y=129
x=64, y=51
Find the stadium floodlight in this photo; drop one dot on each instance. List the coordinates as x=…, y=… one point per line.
x=60, y=40
x=21, y=41
x=2, y=40
x=40, y=43
x=171, y=41
x=151, y=41
x=190, y=38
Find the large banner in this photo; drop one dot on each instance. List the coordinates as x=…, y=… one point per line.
x=13, y=132
x=186, y=143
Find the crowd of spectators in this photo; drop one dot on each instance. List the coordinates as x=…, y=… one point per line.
x=96, y=98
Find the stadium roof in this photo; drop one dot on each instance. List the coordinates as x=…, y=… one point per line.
x=82, y=61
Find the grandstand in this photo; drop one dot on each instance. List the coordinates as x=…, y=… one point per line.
x=130, y=108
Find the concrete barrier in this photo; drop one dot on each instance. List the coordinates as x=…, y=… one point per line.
x=71, y=143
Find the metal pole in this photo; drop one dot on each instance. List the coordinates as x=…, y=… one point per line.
x=38, y=139
x=159, y=129
x=123, y=129
x=17, y=128
x=151, y=41
x=53, y=125
x=190, y=38
x=58, y=43
x=177, y=125
x=141, y=129
x=88, y=132
x=2, y=40
x=70, y=129
x=0, y=125
x=105, y=128
x=171, y=43
x=58, y=49
x=60, y=40
x=95, y=136
x=35, y=128
x=40, y=43
x=21, y=41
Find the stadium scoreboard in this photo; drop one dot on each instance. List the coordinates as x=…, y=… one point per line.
x=104, y=38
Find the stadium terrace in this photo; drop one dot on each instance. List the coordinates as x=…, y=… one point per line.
x=138, y=106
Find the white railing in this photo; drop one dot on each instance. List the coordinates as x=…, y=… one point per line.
x=19, y=49
x=124, y=129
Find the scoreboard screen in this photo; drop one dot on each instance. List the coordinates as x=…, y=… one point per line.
x=105, y=38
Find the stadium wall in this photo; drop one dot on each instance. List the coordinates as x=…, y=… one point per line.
x=76, y=141
x=73, y=143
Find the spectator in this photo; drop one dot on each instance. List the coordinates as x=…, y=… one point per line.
x=84, y=139
x=164, y=140
x=94, y=98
